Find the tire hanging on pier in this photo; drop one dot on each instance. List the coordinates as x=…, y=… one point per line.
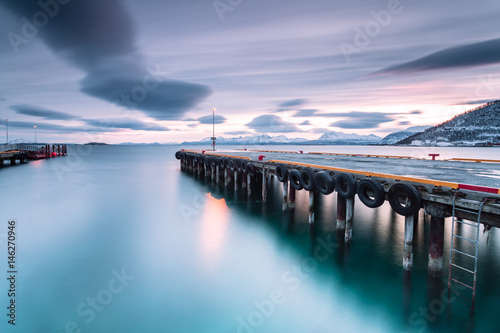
x=404, y=199
x=307, y=179
x=250, y=169
x=282, y=173
x=371, y=193
x=345, y=185
x=294, y=176
x=178, y=155
x=232, y=164
x=324, y=182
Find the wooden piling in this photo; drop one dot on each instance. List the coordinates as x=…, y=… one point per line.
x=235, y=180
x=408, y=245
x=341, y=212
x=436, y=245
x=264, y=184
x=291, y=197
x=284, y=205
x=249, y=185
x=243, y=180
x=226, y=177
x=311, y=206
x=348, y=219
x=217, y=171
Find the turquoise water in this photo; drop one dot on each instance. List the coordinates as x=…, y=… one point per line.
x=118, y=239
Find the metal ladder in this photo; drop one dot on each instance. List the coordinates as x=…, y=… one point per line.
x=458, y=253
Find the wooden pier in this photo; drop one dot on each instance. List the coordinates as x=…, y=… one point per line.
x=464, y=189
x=24, y=152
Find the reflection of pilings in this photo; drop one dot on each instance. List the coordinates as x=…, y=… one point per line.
x=340, y=213
x=243, y=180
x=407, y=294
x=284, y=206
x=436, y=245
x=348, y=219
x=264, y=185
x=291, y=197
x=311, y=206
x=235, y=180
x=249, y=184
x=408, y=246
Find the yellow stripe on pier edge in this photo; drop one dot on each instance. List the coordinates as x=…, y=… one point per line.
x=374, y=174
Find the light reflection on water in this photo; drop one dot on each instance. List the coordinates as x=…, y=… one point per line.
x=204, y=256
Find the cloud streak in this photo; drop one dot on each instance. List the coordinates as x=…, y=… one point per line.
x=469, y=55
x=36, y=111
x=272, y=124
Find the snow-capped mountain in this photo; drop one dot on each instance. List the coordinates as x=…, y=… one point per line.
x=401, y=135
x=348, y=138
x=330, y=138
x=478, y=126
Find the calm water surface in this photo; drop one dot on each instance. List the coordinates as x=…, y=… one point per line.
x=118, y=239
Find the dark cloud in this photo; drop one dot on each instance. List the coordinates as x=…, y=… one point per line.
x=98, y=37
x=272, y=124
x=305, y=122
x=404, y=123
x=362, y=120
x=192, y=125
x=36, y=111
x=125, y=123
x=293, y=103
x=469, y=55
x=209, y=119
x=305, y=113
x=416, y=112
x=238, y=132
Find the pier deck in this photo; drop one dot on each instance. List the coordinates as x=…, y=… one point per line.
x=439, y=182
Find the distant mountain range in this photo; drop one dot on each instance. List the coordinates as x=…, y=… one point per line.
x=401, y=135
x=330, y=138
x=476, y=127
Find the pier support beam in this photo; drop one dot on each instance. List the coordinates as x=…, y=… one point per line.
x=217, y=171
x=243, y=180
x=249, y=184
x=340, y=213
x=235, y=180
x=436, y=245
x=408, y=246
x=348, y=219
x=311, y=206
x=227, y=177
x=264, y=185
x=284, y=205
x=291, y=198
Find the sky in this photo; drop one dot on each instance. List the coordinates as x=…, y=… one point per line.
x=152, y=71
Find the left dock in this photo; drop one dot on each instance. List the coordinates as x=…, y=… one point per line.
x=24, y=152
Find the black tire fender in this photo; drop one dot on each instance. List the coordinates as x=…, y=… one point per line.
x=371, y=193
x=324, y=182
x=294, y=177
x=307, y=179
x=282, y=173
x=345, y=185
x=232, y=164
x=250, y=169
x=404, y=199
x=178, y=155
